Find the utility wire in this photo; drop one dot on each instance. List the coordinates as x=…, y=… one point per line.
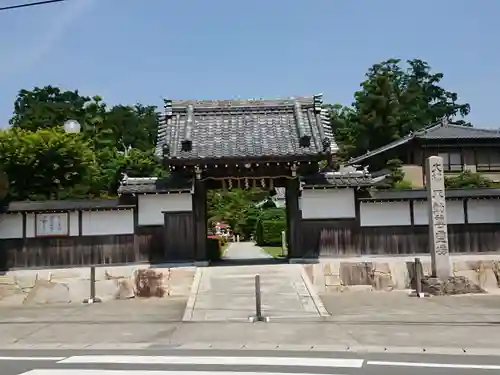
x=46, y=2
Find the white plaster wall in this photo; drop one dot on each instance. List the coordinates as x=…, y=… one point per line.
x=327, y=203
x=152, y=206
x=11, y=226
x=73, y=223
x=30, y=225
x=98, y=223
x=454, y=212
x=483, y=211
x=382, y=214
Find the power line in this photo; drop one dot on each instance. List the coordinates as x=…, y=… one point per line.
x=46, y=2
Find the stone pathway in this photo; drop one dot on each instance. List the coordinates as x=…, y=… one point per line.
x=227, y=292
x=245, y=250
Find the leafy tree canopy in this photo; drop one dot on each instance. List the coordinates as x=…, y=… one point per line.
x=113, y=141
x=235, y=207
x=45, y=163
x=393, y=100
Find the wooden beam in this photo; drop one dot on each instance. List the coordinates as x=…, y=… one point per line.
x=200, y=220
x=293, y=218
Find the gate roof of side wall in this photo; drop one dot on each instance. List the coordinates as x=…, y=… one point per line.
x=235, y=131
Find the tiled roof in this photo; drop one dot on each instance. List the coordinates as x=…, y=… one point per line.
x=278, y=199
x=457, y=132
x=340, y=179
x=441, y=131
x=152, y=185
x=201, y=130
x=421, y=194
x=60, y=205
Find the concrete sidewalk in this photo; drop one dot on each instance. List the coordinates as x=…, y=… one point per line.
x=377, y=337
x=149, y=323
x=397, y=307
x=227, y=292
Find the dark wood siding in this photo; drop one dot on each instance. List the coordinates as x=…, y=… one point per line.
x=179, y=236
x=81, y=251
x=331, y=238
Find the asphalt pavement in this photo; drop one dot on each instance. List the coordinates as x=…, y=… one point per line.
x=238, y=362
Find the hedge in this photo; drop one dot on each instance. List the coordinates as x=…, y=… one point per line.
x=215, y=246
x=269, y=227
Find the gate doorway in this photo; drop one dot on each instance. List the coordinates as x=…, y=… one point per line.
x=241, y=144
x=249, y=223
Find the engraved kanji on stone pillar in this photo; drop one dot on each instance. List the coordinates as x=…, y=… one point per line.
x=438, y=228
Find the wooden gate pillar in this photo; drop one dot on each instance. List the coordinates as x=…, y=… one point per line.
x=200, y=220
x=293, y=218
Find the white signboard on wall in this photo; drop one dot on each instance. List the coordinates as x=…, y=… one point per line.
x=52, y=224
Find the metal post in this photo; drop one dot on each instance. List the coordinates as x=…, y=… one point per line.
x=258, y=303
x=418, y=277
x=92, y=298
x=92, y=283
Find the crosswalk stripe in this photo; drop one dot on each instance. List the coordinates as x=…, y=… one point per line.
x=144, y=372
x=31, y=358
x=434, y=365
x=231, y=361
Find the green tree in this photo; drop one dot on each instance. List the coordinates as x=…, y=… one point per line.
x=134, y=163
x=133, y=126
x=393, y=100
x=120, y=126
x=49, y=107
x=46, y=164
x=121, y=138
x=235, y=207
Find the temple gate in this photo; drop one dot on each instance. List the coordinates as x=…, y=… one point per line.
x=236, y=143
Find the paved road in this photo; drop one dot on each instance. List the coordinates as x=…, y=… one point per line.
x=242, y=362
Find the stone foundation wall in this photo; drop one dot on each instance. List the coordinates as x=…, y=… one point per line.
x=73, y=285
x=396, y=273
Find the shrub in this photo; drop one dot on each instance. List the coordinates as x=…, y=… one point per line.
x=403, y=185
x=214, y=248
x=469, y=180
x=269, y=227
x=223, y=241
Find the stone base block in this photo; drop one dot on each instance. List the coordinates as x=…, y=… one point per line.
x=397, y=273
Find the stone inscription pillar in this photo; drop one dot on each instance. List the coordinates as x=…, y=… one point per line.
x=438, y=228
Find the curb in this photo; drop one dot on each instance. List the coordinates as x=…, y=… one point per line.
x=188, y=311
x=312, y=292
x=356, y=349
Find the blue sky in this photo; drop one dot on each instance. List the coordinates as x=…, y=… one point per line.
x=141, y=51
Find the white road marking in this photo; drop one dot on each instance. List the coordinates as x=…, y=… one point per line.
x=31, y=358
x=225, y=361
x=143, y=372
x=434, y=365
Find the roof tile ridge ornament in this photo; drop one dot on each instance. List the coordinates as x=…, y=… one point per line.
x=321, y=118
x=304, y=140
x=238, y=104
x=187, y=143
x=128, y=181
